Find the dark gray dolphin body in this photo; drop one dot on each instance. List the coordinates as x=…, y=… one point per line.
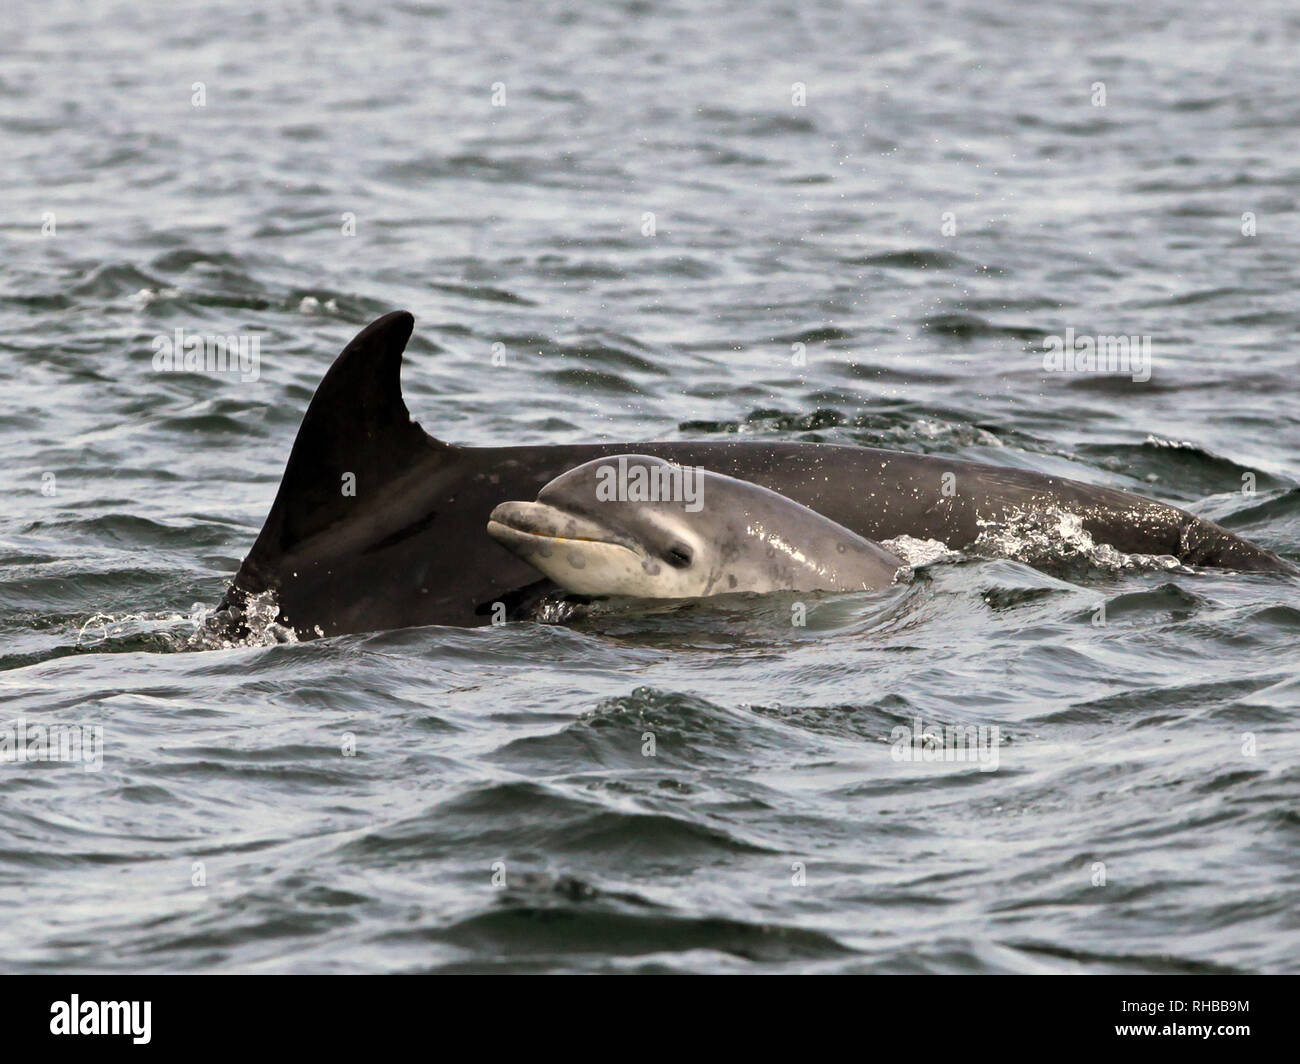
x=409, y=546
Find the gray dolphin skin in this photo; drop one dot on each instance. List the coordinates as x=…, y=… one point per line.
x=635, y=525
x=409, y=547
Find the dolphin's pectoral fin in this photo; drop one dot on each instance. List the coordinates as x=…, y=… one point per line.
x=356, y=439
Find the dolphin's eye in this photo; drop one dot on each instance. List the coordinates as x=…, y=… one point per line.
x=678, y=556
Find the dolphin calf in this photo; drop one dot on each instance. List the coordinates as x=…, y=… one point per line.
x=378, y=525
x=640, y=526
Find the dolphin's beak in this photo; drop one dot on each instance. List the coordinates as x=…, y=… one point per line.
x=526, y=527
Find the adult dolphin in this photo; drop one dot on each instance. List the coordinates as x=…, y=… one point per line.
x=378, y=525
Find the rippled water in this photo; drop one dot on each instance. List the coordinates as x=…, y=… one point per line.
x=499, y=811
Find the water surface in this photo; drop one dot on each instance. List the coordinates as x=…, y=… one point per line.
x=878, y=266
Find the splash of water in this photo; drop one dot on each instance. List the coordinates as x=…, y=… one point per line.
x=1052, y=535
x=203, y=628
x=918, y=552
x=253, y=624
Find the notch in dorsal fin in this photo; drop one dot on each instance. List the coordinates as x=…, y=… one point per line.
x=357, y=423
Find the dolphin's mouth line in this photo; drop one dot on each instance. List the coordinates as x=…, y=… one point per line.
x=532, y=525
x=497, y=525
x=547, y=535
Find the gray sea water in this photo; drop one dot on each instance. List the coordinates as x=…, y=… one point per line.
x=650, y=207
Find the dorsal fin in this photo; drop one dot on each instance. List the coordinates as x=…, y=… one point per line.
x=357, y=423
